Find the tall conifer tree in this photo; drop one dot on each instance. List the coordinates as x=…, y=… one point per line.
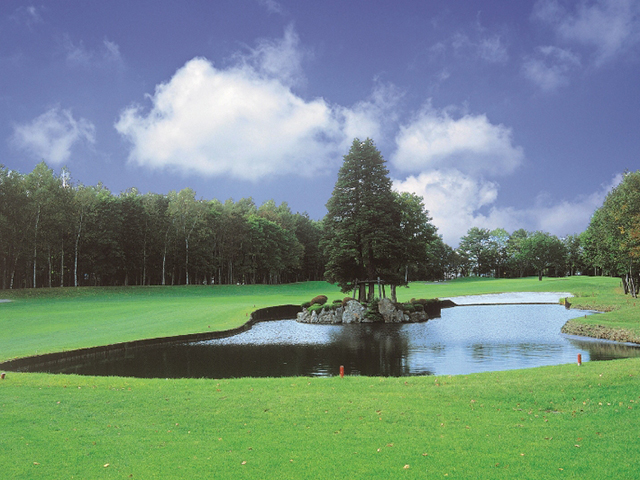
x=362, y=225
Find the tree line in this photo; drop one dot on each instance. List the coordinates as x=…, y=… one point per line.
x=609, y=246
x=56, y=233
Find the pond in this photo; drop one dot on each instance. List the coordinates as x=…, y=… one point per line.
x=464, y=340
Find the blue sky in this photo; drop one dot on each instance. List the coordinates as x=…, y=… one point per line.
x=500, y=114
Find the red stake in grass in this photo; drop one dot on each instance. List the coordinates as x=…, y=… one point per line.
x=579, y=359
x=341, y=371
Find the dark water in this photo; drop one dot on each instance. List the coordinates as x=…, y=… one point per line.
x=464, y=340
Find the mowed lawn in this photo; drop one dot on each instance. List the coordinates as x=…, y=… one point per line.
x=551, y=422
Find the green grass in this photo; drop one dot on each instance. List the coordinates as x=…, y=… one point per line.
x=49, y=320
x=552, y=422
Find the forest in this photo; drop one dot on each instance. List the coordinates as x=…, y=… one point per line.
x=55, y=233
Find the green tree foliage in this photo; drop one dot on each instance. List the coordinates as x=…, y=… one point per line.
x=421, y=250
x=362, y=235
x=54, y=233
x=477, y=248
x=544, y=251
x=612, y=240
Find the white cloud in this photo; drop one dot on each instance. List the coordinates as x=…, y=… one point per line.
x=374, y=117
x=610, y=27
x=452, y=198
x=491, y=49
x=272, y=6
x=281, y=58
x=471, y=143
x=457, y=201
x=30, y=15
x=549, y=68
x=52, y=135
x=233, y=122
x=78, y=55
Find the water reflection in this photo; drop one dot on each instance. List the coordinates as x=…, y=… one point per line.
x=464, y=340
x=603, y=350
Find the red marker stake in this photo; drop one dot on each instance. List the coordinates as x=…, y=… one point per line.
x=579, y=359
x=341, y=371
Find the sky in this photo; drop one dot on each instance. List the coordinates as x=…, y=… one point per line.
x=501, y=114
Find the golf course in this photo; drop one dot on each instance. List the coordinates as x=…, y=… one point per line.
x=564, y=421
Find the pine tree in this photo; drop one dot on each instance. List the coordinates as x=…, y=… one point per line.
x=362, y=225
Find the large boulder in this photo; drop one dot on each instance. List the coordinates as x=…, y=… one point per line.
x=390, y=313
x=353, y=312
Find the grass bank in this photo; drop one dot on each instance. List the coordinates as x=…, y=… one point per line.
x=550, y=422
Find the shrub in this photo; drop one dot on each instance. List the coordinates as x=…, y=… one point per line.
x=418, y=307
x=320, y=300
x=306, y=305
x=407, y=307
x=316, y=308
x=373, y=315
x=346, y=300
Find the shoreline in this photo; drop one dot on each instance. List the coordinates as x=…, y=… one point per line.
x=513, y=298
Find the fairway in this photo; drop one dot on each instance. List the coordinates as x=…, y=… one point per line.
x=551, y=422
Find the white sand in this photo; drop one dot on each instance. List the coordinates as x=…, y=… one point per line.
x=511, y=298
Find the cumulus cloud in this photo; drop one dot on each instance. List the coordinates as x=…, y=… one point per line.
x=279, y=58
x=452, y=198
x=376, y=117
x=246, y=121
x=234, y=121
x=52, y=135
x=471, y=143
x=457, y=202
x=549, y=68
x=610, y=27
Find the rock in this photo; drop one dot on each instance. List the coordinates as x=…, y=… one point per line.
x=390, y=313
x=353, y=312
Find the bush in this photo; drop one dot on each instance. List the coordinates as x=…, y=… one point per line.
x=320, y=300
x=373, y=315
x=316, y=308
x=306, y=305
x=408, y=307
x=418, y=307
x=346, y=300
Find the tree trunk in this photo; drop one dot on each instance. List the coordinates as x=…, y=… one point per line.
x=186, y=262
x=394, y=297
x=35, y=247
x=62, y=264
x=50, y=267
x=362, y=293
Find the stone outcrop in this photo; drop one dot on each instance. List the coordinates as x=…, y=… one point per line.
x=354, y=312
x=390, y=313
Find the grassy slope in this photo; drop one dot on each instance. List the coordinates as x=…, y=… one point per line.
x=551, y=422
